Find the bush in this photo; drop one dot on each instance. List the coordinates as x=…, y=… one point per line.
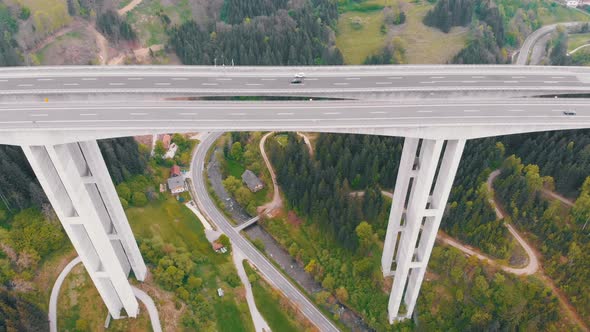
x=139, y=199
x=259, y=244
x=25, y=13
x=233, y=280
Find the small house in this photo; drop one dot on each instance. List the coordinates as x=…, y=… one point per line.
x=176, y=185
x=166, y=139
x=252, y=181
x=220, y=292
x=174, y=171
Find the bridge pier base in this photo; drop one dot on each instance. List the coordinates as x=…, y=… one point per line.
x=419, y=201
x=76, y=180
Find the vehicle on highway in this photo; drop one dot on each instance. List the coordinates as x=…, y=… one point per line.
x=299, y=75
x=296, y=81
x=569, y=113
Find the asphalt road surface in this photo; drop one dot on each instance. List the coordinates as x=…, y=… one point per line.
x=252, y=254
x=273, y=80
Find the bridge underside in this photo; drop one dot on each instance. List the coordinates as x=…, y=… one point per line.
x=77, y=183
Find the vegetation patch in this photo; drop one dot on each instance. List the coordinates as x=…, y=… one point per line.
x=277, y=311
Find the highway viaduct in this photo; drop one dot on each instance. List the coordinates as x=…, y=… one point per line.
x=56, y=114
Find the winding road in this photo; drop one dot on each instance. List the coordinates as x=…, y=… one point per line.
x=527, y=46
x=276, y=202
x=533, y=259
x=141, y=295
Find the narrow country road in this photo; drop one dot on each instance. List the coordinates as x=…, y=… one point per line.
x=260, y=325
x=141, y=295
x=129, y=7
x=558, y=197
x=270, y=272
x=563, y=300
x=533, y=264
x=276, y=202
x=55, y=293
x=523, y=55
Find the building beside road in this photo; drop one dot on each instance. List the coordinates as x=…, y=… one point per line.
x=176, y=181
x=252, y=181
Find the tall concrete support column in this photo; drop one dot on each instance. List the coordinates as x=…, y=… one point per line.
x=419, y=201
x=77, y=183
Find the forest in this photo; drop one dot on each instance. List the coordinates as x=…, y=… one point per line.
x=8, y=46
x=561, y=237
x=319, y=190
x=463, y=295
x=300, y=36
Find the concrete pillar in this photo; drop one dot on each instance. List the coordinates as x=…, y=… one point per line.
x=416, y=212
x=77, y=183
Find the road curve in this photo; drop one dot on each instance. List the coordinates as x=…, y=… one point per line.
x=55, y=293
x=269, y=271
x=141, y=295
x=533, y=264
x=276, y=202
x=527, y=45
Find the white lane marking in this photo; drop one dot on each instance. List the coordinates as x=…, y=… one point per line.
x=71, y=84
x=395, y=78
x=138, y=113
x=477, y=76
x=116, y=84
x=381, y=83
x=224, y=79
x=378, y=112
x=237, y=113
x=427, y=82
x=87, y=114
x=352, y=78
x=88, y=79
x=518, y=77
x=470, y=111
x=331, y=113
x=268, y=79
x=312, y=79
x=189, y=113
x=162, y=83
x=45, y=79
x=549, y=82
x=39, y=114
x=515, y=110
x=435, y=77
x=340, y=83
x=134, y=78
x=209, y=83
x=557, y=77
x=25, y=85
x=468, y=81
x=180, y=78
x=284, y=113
x=424, y=111
x=510, y=81
x=557, y=110
x=3, y=80
x=253, y=84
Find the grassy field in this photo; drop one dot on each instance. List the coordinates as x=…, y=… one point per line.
x=173, y=224
x=577, y=40
x=561, y=14
x=235, y=168
x=80, y=307
x=148, y=25
x=423, y=44
x=47, y=15
x=269, y=304
x=357, y=43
